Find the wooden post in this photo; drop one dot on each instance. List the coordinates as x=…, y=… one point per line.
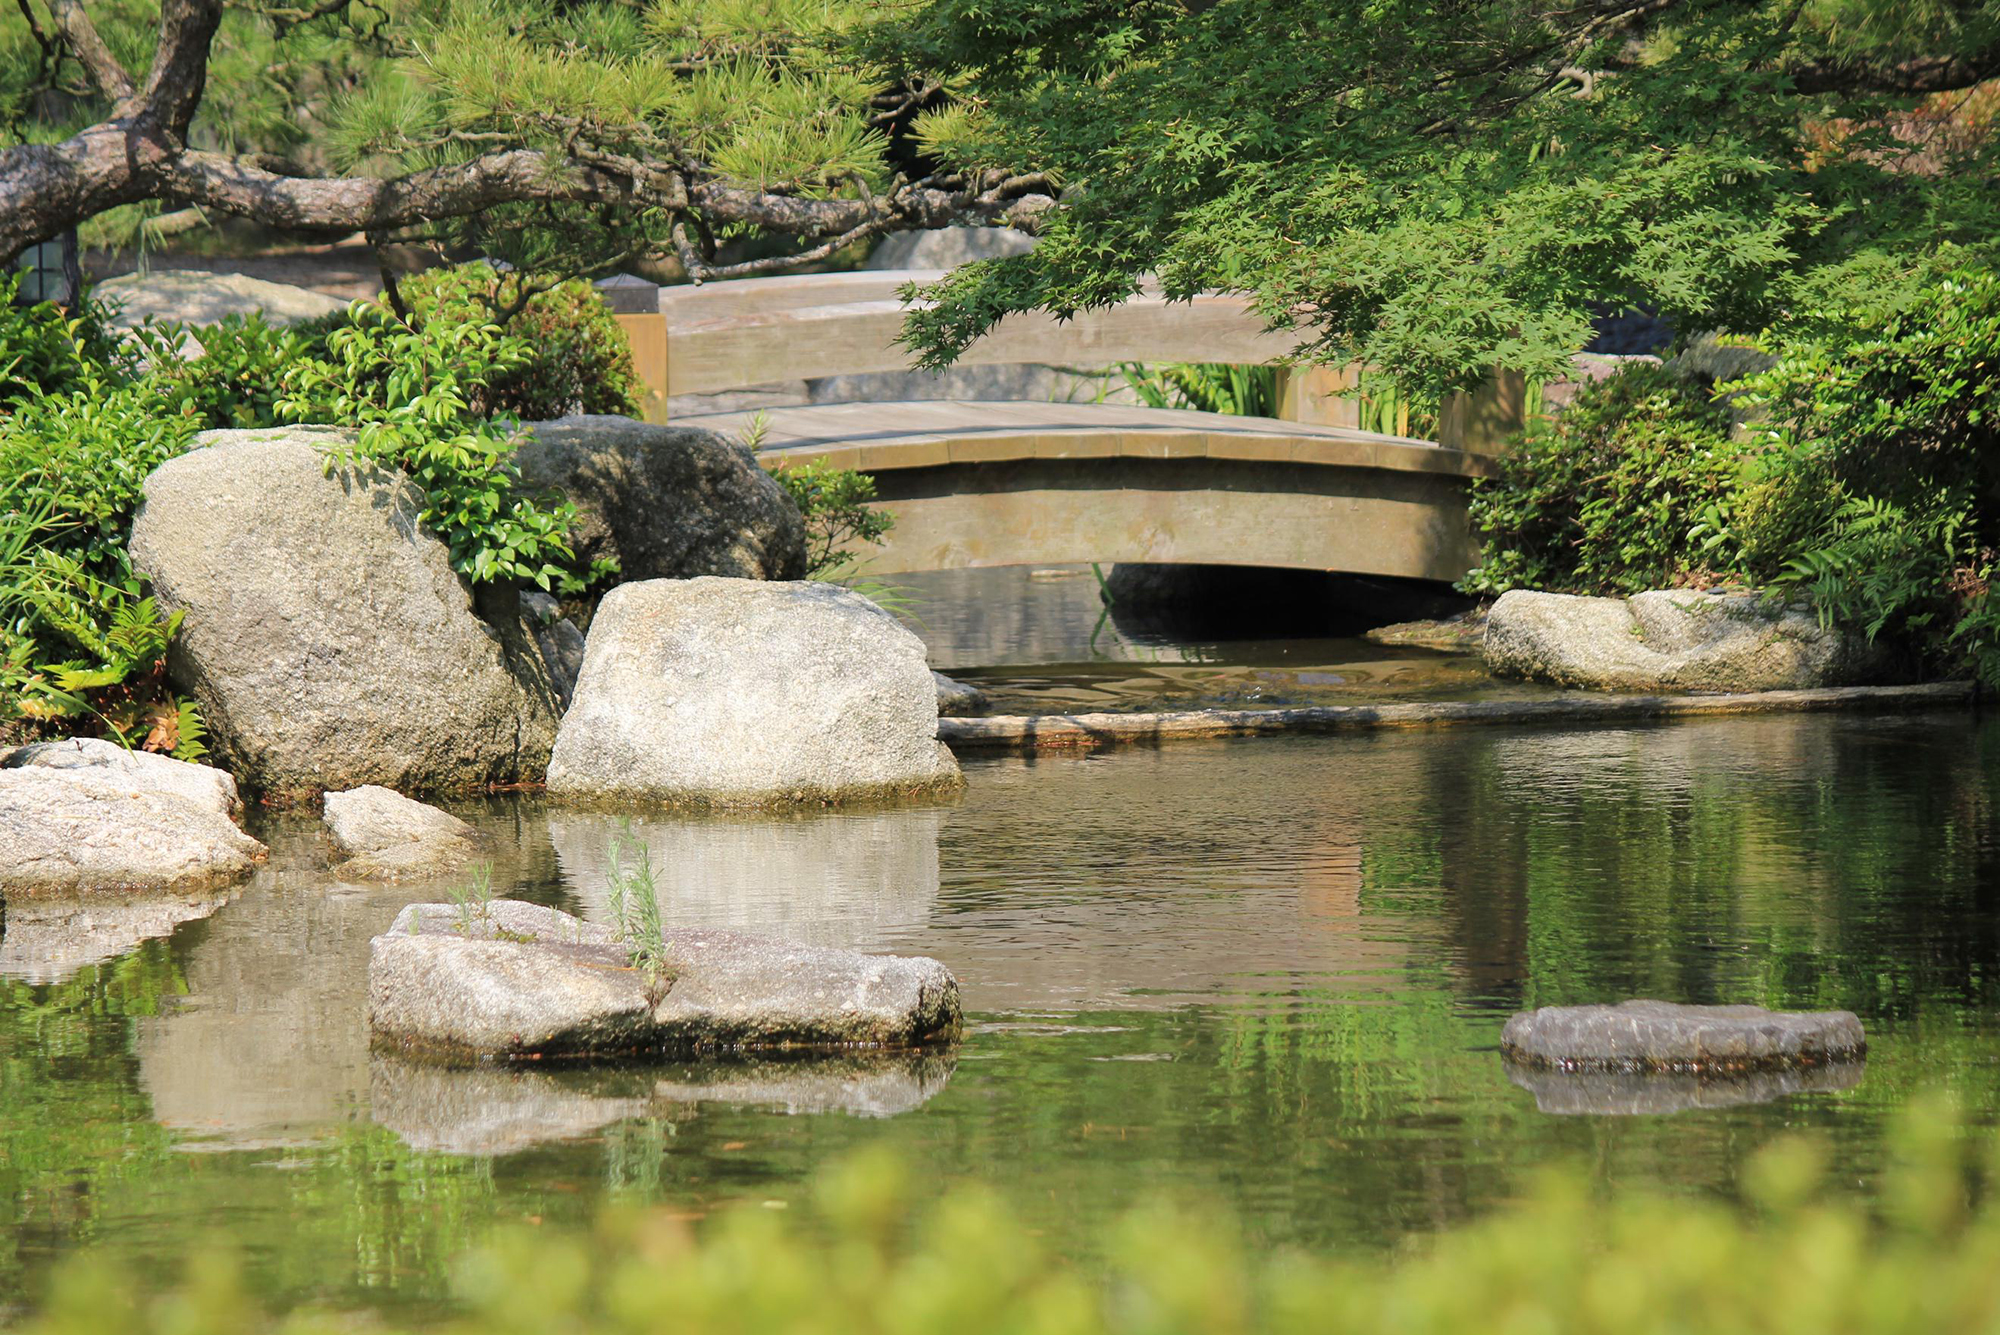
x=635, y=304
x=1319, y=395
x=1480, y=421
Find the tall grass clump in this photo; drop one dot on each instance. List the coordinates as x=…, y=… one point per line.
x=636, y=920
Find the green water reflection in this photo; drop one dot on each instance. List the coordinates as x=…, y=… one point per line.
x=1267, y=974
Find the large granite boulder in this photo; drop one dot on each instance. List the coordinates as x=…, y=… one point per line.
x=731, y=693
x=947, y=247
x=79, y=833
x=326, y=635
x=667, y=502
x=379, y=835
x=194, y=296
x=512, y=979
x=1672, y=640
x=1648, y=1035
x=204, y=785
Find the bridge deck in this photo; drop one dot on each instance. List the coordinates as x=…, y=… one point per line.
x=884, y=436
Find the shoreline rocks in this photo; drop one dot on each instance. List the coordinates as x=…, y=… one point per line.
x=511, y=979
x=326, y=635
x=381, y=835
x=1655, y=1036
x=724, y=693
x=84, y=833
x=1680, y=640
x=204, y=785
x=957, y=699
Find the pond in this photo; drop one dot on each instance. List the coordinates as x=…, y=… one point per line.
x=1265, y=974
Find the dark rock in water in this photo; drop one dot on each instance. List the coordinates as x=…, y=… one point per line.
x=511, y=979
x=1651, y=1093
x=491, y=1109
x=957, y=699
x=1664, y=1036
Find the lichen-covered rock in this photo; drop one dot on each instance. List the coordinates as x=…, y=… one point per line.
x=204, y=785
x=737, y=693
x=512, y=979
x=80, y=833
x=1648, y=1035
x=667, y=502
x=326, y=635
x=1672, y=640
x=379, y=835
x=956, y=699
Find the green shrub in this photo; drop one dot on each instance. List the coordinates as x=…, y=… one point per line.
x=410, y=390
x=1875, y=487
x=240, y=376
x=835, y=504
x=1603, y=498
x=47, y=350
x=1801, y=1257
x=82, y=648
x=578, y=359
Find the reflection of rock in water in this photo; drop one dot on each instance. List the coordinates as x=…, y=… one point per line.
x=269, y=1046
x=501, y=1109
x=1632, y=1093
x=873, y=1085
x=46, y=941
x=851, y=880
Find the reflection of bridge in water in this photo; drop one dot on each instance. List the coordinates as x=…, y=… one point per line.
x=992, y=483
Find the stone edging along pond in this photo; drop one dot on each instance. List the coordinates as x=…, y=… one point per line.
x=1060, y=732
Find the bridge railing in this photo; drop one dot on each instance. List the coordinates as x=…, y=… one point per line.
x=747, y=332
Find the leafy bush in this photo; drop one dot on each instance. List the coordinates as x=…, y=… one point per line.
x=1875, y=487
x=578, y=359
x=1799, y=1259
x=834, y=502
x=81, y=645
x=411, y=392
x=47, y=350
x=239, y=377
x=1602, y=499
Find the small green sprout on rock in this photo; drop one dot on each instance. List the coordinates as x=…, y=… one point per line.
x=635, y=912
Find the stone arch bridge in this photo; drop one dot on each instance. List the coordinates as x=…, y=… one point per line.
x=993, y=483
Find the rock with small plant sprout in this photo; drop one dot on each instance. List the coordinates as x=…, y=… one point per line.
x=380, y=835
x=516, y=980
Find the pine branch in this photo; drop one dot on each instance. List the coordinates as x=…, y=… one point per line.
x=80, y=35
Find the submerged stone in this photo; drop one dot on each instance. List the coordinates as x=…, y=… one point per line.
x=1655, y=1093
x=511, y=979
x=380, y=835
x=1645, y=1035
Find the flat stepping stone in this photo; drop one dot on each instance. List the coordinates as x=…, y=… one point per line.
x=515, y=980
x=1647, y=1035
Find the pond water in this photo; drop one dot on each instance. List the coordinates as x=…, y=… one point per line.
x=1269, y=974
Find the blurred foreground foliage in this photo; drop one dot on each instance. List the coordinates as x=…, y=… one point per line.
x=1798, y=1257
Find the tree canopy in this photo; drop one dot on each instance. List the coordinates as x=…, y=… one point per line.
x=1434, y=186
x=1429, y=186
